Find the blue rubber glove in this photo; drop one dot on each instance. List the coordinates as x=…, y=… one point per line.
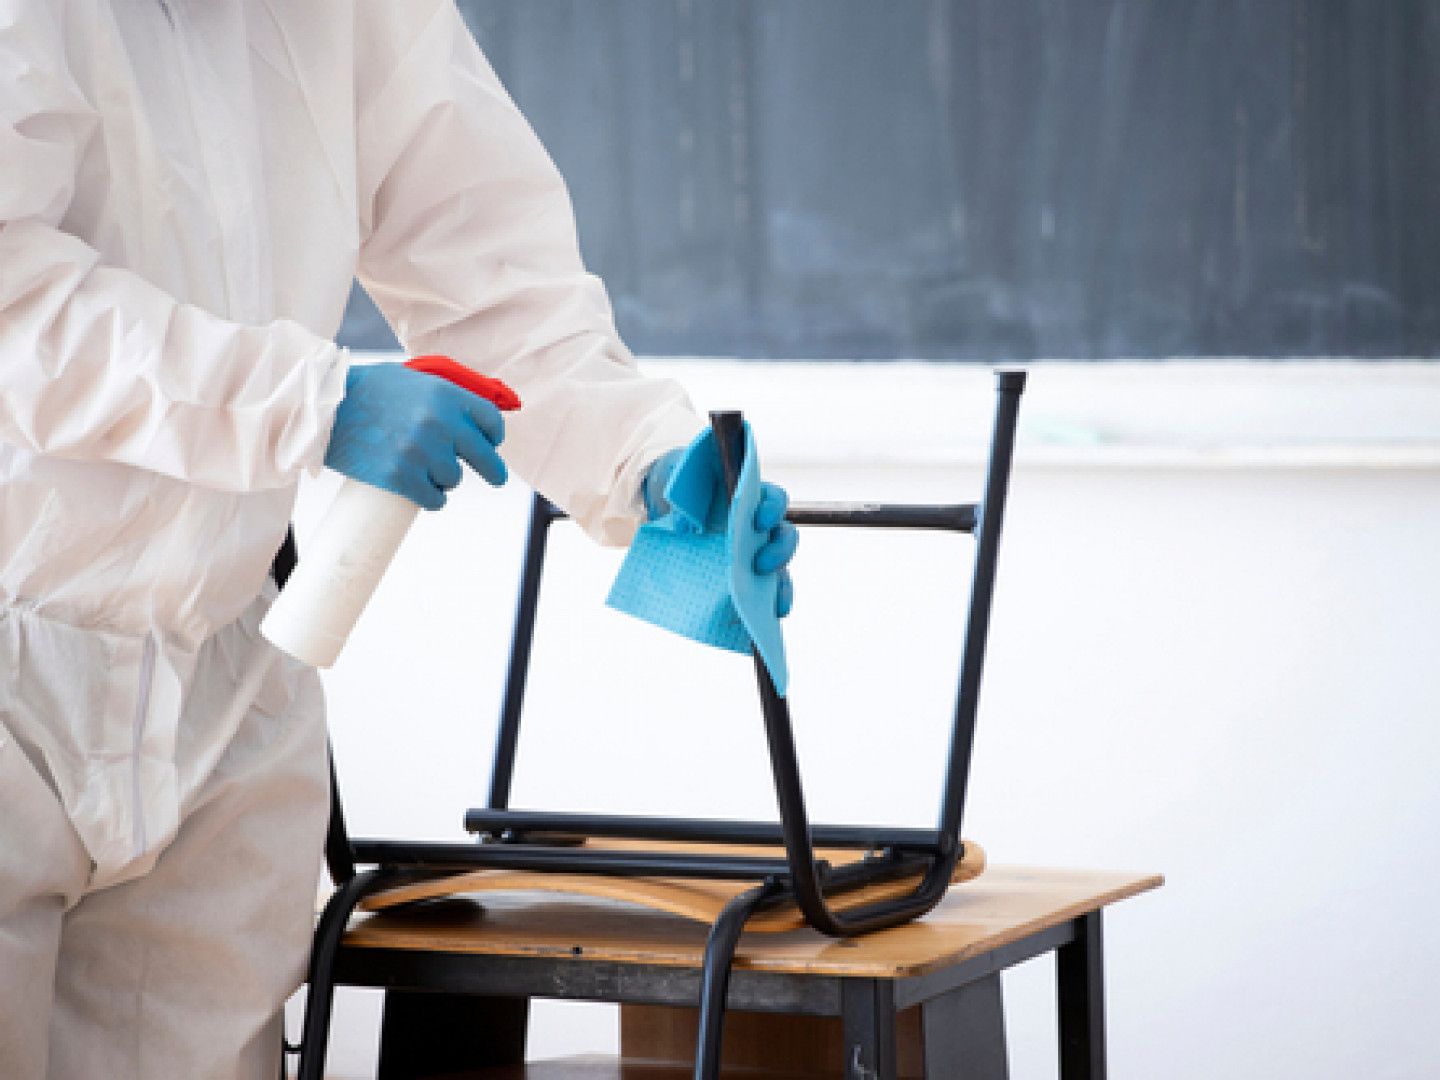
x=407, y=432
x=779, y=548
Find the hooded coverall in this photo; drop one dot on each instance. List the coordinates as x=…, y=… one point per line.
x=187, y=188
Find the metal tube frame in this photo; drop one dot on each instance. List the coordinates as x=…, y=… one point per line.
x=535, y=840
x=508, y=825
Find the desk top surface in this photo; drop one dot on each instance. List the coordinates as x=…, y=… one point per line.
x=1002, y=906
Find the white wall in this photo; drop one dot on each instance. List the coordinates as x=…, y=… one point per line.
x=1213, y=654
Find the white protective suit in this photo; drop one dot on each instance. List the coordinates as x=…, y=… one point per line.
x=186, y=189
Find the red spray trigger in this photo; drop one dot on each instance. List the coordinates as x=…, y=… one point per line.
x=492, y=390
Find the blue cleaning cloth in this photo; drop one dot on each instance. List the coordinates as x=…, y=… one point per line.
x=692, y=571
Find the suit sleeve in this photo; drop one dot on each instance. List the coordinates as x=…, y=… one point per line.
x=98, y=363
x=470, y=250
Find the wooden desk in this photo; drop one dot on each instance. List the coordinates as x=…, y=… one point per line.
x=938, y=977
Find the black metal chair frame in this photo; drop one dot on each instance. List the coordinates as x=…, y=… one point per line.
x=546, y=841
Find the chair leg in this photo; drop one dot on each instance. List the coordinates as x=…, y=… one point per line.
x=715, y=974
x=320, y=993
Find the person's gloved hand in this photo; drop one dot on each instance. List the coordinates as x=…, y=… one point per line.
x=407, y=432
x=773, y=557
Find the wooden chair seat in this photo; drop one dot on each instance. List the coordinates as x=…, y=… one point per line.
x=690, y=898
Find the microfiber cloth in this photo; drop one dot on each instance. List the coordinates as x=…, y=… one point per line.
x=691, y=571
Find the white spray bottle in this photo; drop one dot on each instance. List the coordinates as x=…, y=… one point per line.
x=344, y=561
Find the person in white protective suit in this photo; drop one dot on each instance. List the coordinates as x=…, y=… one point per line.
x=187, y=188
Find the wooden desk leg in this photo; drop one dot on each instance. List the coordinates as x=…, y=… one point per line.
x=1081, y=983
x=867, y=1011
x=429, y=1035
x=965, y=1033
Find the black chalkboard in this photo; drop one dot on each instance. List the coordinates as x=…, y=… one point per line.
x=994, y=179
